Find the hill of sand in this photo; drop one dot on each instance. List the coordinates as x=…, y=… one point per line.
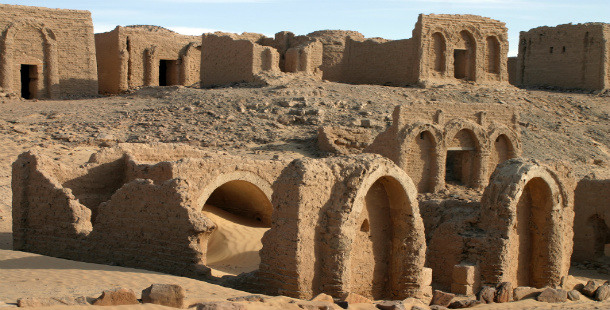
x=233, y=247
x=279, y=120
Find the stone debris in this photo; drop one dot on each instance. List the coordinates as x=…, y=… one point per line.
x=219, y=305
x=552, y=295
x=461, y=304
x=170, y=295
x=487, y=294
x=602, y=293
x=591, y=287
x=441, y=298
x=504, y=292
x=523, y=292
x=574, y=295
x=52, y=301
x=117, y=297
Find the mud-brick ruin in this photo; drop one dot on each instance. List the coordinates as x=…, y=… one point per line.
x=336, y=225
x=443, y=49
x=134, y=56
x=46, y=53
x=455, y=143
x=566, y=56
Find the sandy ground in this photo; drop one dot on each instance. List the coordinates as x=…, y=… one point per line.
x=258, y=122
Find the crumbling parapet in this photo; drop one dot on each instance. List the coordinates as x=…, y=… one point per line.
x=592, y=219
x=469, y=139
x=344, y=225
x=527, y=212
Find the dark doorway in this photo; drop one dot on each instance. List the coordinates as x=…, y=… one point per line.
x=461, y=63
x=29, y=76
x=458, y=167
x=163, y=64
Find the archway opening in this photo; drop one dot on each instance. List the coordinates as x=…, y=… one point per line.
x=29, y=81
x=438, y=52
x=370, y=265
x=493, y=55
x=461, y=157
x=464, y=57
x=242, y=213
x=535, y=234
x=422, y=157
x=601, y=235
x=502, y=151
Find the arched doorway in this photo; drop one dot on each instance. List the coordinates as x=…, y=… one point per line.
x=534, y=234
x=375, y=261
x=464, y=56
x=502, y=151
x=438, y=52
x=242, y=214
x=601, y=235
x=462, y=152
x=421, y=161
x=493, y=55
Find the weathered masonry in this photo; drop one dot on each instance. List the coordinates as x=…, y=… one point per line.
x=46, y=53
x=457, y=143
x=133, y=56
x=567, y=56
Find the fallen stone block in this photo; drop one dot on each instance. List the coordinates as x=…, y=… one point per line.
x=591, y=287
x=353, y=298
x=504, y=292
x=440, y=298
x=553, y=296
x=524, y=292
x=390, y=305
x=323, y=297
x=461, y=304
x=116, y=297
x=169, y=295
x=602, y=293
x=487, y=294
x=574, y=295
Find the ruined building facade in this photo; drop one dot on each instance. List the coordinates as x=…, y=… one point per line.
x=46, y=53
x=443, y=49
x=458, y=143
x=133, y=56
x=566, y=56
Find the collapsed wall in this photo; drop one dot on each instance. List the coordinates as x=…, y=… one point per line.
x=458, y=143
x=47, y=53
x=567, y=56
x=134, y=56
x=592, y=220
x=230, y=58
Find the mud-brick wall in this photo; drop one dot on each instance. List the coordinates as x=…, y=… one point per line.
x=592, y=219
x=568, y=56
x=70, y=33
x=109, y=62
x=383, y=63
x=483, y=114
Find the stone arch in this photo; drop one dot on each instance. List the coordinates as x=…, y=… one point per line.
x=438, y=47
x=189, y=71
x=466, y=146
x=600, y=236
x=504, y=145
x=237, y=198
x=528, y=215
x=420, y=153
x=465, y=56
x=493, y=55
x=384, y=194
x=48, y=71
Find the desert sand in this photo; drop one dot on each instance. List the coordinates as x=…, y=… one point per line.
x=252, y=120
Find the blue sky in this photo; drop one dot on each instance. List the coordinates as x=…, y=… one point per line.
x=390, y=19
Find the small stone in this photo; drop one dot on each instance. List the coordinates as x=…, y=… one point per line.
x=440, y=298
x=353, y=298
x=504, y=292
x=219, y=305
x=591, y=287
x=461, y=304
x=248, y=298
x=486, y=294
x=390, y=305
x=117, y=297
x=553, y=296
x=602, y=293
x=366, y=123
x=573, y=295
x=323, y=297
x=169, y=295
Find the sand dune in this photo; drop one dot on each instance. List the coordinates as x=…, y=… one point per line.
x=233, y=247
